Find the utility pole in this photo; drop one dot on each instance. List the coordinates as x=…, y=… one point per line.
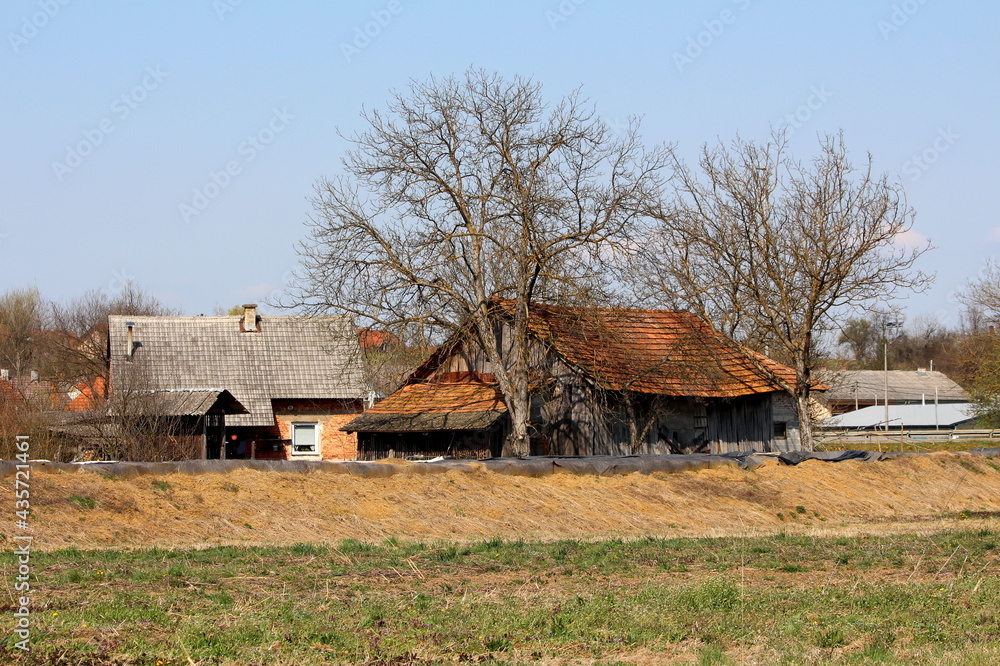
x=885, y=356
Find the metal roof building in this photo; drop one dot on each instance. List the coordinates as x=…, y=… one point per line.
x=915, y=417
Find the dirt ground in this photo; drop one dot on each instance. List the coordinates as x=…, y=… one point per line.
x=85, y=509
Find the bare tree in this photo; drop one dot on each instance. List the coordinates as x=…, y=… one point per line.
x=79, y=355
x=22, y=320
x=862, y=337
x=769, y=249
x=980, y=346
x=142, y=423
x=469, y=190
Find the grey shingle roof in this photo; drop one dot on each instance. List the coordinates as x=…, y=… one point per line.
x=191, y=402
x=291, y=357
x=904, y=386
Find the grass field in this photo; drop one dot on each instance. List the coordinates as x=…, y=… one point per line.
x=910, y=598
x=853, y=563
x=908, y=445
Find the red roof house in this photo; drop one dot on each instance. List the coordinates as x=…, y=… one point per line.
x=609, y=381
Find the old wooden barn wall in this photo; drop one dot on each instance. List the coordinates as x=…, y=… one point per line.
x=740, y=424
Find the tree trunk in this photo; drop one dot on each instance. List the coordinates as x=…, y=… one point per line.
x=802, y=407
x=805, y=421
x=518, y=443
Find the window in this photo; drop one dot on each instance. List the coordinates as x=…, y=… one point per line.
x=780, y=429
x=304, y=439
x=700, y=416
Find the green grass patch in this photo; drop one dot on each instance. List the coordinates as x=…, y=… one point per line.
x=82, y=501
x=866, y=599
x=905, y=445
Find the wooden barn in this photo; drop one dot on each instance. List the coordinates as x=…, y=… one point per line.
x=605, y=382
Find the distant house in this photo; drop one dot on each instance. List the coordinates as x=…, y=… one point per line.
x=374, y=341
x=88, y=396
x=855, y=389
x=275, y=387
x=606, y=382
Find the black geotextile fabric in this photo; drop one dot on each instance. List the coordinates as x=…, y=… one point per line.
x=795, y=457
x=534, y=466
x=610, y=465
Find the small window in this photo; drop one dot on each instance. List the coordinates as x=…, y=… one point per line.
x=700, y=417
x=304, y=439
x=780, y=429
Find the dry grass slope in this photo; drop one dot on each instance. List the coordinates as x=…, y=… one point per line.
x=87, y=510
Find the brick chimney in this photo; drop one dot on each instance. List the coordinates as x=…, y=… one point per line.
x=249, y=322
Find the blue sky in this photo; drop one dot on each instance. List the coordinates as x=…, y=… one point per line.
x=118, y=116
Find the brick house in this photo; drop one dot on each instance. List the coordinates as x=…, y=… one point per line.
x=299, y=379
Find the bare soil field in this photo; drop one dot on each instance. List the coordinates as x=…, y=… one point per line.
x=88, y=510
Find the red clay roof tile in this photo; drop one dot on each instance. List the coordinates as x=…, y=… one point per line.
x=655, y=351
x=434, y=398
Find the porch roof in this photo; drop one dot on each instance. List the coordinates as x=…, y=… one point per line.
x=424, y=407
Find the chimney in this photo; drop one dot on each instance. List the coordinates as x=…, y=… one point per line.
x=130, y=340
x=249, y=321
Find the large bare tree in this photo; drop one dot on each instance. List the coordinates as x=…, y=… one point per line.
x=769, y=249
x=470, y=189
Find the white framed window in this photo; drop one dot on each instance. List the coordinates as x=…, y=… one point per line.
x=305, y=439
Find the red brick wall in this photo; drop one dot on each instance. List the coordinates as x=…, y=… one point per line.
x=334, y=444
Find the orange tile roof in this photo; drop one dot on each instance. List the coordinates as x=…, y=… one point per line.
x=92, y=395
x=368, y=338
x=655, y=351
x=434, y=398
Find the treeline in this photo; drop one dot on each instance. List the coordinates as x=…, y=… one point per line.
x=968, y=352
x=52, y=352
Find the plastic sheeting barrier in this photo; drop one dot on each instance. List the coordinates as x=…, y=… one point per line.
x=532, y=467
